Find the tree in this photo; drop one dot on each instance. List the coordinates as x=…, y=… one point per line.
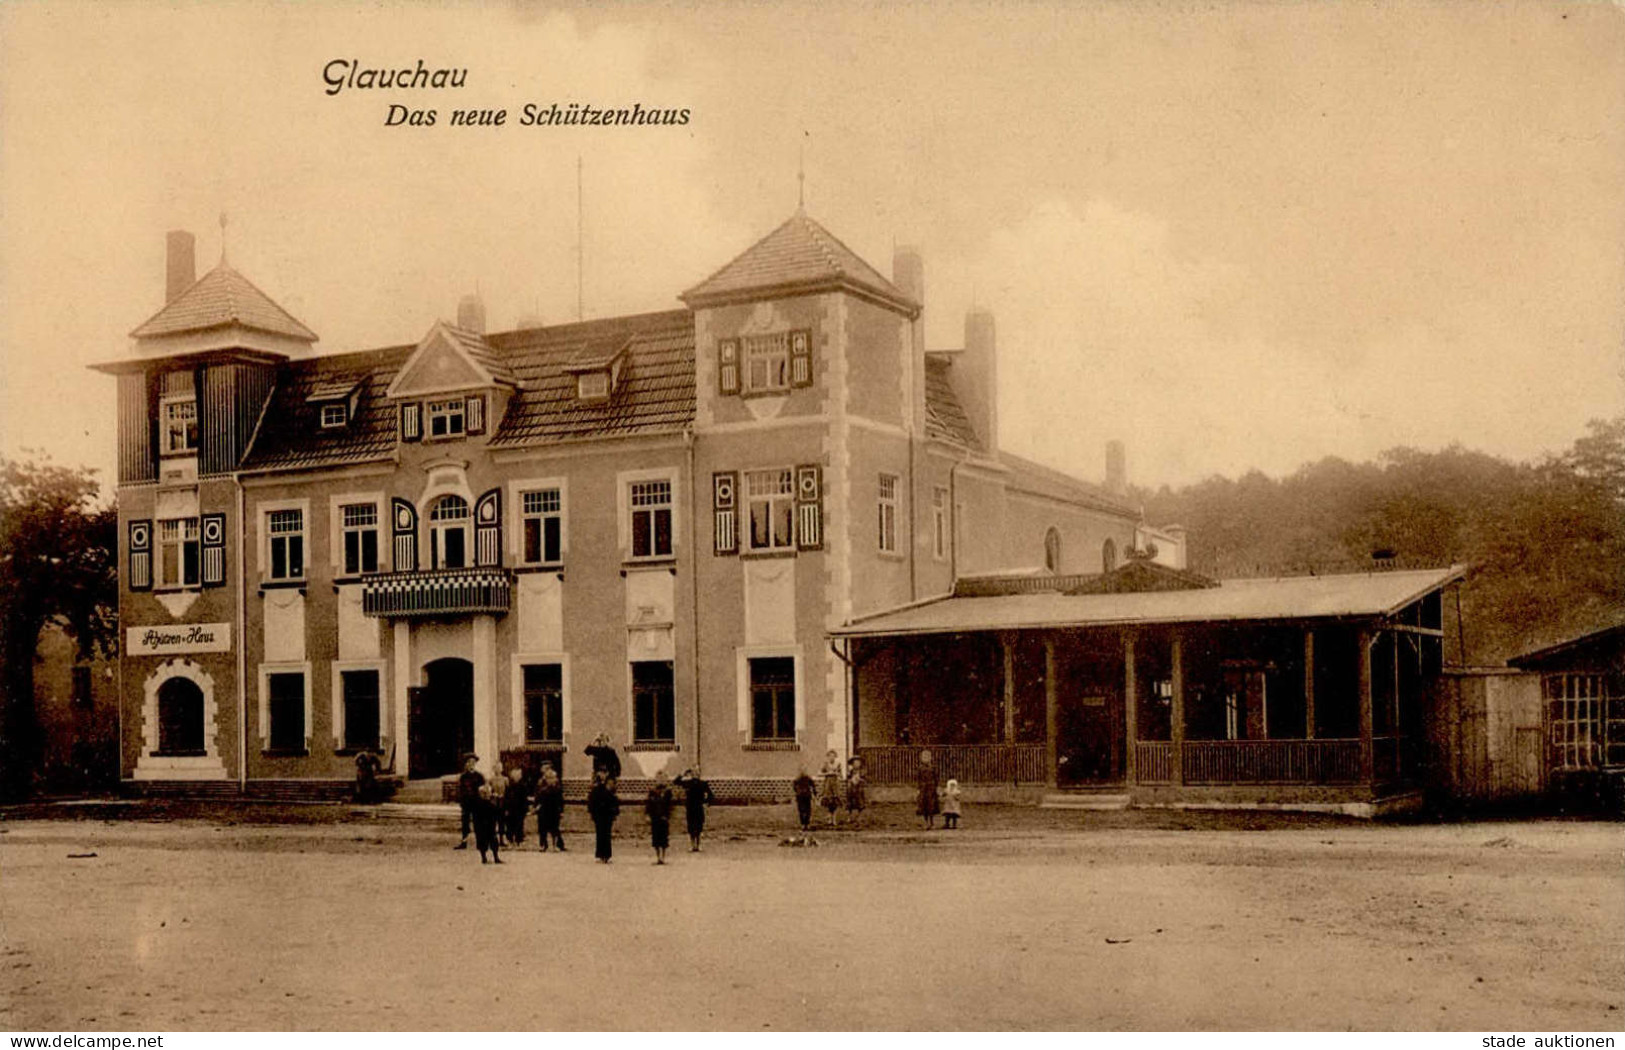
x=58, y=562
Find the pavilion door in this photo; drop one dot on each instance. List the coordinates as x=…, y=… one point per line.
x=1086, y=740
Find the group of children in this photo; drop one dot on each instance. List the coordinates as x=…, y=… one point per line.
x=496, y=810
x=836, y=789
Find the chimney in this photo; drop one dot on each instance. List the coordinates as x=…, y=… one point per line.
x=471, y=313
x=181, y=272
x=977, y=378
x=1116, y=469
x=908, y=274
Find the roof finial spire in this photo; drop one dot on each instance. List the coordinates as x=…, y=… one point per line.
x=801, y=177
x=222, y=237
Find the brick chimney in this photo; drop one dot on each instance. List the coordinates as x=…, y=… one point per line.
x=976, y=378
x=908, y=274
x=471, y=314
x=181, y=268
x=1116, y=469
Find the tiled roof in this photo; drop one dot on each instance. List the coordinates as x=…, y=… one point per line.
x=945, y=418
x=1292, y=598
x=799, y=254
x=655, y=393
x=291, y=435
x=474, y=344
x=1046, y=481
x=222, y=296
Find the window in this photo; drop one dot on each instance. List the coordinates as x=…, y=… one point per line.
x=771, y=494
x=1108, y=556
x=448, y=533
x=1052, y=549
x=653, y=706
x=178, y=425
x=592, y=386
x=544, y=703
x=888, y=513
x=180, y=718
x=359, y=524
x=286, y=531
x=287, y=711
x=542, y=527
x=651, y=519
x=767, y=362
x=178, y=553
x=773, y=699
x=360, y=708
x=939, y=523
x=335, y=415
x=446, y=418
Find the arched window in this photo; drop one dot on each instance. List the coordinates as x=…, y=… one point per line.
x=180, y=718
x=1052, y=550
x=448, y=533
x=1108, y=556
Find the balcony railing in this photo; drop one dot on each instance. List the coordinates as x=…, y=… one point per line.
x=1253, y=761
x=437, y=592
x=966, y=763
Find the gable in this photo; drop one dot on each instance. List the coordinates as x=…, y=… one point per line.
x=440, y=364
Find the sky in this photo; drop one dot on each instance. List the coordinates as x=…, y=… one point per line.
x=1234, y=236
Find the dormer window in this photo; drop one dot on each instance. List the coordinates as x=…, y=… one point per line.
x=334, y=416
x=597, y=368
x=447, y=418
x=335, y=400
x=178, y=428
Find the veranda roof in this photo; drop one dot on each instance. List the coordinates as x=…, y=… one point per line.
x=1360, y=596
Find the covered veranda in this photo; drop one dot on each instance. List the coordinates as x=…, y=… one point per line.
x=1265, y=690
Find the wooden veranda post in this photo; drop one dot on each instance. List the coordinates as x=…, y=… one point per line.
x=1131, y=712
x=1363, y=668
x=1051, y=714
x=1308, y=683
x=1177, y=673
x=1008, y=648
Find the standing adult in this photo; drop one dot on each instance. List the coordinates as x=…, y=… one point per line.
x=549, y=808
x=696, y=795
x=604, y=758
x=468, y=794
x=603, y=806
x=927, y=804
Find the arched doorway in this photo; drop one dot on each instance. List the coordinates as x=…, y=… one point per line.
x=180, y=717
x=441, y=718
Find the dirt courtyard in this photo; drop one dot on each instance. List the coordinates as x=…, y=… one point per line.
x=1069, y=921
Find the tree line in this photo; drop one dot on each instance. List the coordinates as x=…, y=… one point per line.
x=1545, y=541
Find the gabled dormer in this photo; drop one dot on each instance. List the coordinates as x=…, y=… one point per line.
x=453, y=386
x=597, y=368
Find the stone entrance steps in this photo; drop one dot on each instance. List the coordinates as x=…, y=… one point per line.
x=1098, y=800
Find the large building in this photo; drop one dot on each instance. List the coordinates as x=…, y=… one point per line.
x=645, y=526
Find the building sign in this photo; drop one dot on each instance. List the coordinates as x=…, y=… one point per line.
x=178, y=638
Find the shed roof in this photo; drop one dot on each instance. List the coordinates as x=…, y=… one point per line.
x=1603, y=647
x=1365, y=595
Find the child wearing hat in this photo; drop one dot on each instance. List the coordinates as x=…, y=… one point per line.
x=950, y=804
x=468, y=792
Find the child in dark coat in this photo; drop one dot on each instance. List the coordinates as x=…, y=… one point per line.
x=803, y=787
x=485, y=825
x=549, y=808
x=658, y=809
x=515, y=804
x=696, y=795
x=603, y=806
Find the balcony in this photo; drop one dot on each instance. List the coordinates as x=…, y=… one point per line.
x=437, y=592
